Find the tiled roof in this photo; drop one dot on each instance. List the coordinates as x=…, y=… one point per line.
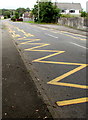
x=76, y=6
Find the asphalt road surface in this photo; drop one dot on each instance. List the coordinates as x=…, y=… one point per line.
x=59, y=59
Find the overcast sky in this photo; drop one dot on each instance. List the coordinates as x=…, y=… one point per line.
x=14, y=4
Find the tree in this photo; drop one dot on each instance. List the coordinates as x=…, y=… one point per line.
x=83, y=14
x=6, y=14
x=16, y=15
x=0, y=11
x=28, y=9
x=20, y=11
x=48, y=12
x=35, y=13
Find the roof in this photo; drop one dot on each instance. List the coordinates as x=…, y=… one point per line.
x=26, y=14
x=76, y=6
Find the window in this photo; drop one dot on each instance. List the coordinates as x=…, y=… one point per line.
x=72, y=11
x=63, y=11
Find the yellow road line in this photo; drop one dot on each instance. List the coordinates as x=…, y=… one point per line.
x=22, y=38
x=15, y=35
x=73, y=33
x=31, y=40
x=63, y=32
x=28, y=35
x=67, y=74
x=48, y=51
x=36, y=47
x=52, y=62
x=25, y=33
x=75, y=37
x=51, y=55
x=73, y=101
x=68, y=85
x=28, y=42
x=56, y=80
x=83, y=39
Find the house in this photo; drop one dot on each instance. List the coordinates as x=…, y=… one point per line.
x=1, y=17
x=27, y=16
x=70, y=8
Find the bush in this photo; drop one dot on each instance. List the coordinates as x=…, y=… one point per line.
x=5, y=17
x=13, y=18
x=83, y=14
x=67, y=15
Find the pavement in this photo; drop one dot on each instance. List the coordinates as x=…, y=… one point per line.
x=20, y=97
x=64, y=28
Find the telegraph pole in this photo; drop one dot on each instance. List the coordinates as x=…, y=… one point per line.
x=38, y=11
x=55, y=2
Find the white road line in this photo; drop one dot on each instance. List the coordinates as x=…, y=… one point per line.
x=78, y=45
x=51, y=35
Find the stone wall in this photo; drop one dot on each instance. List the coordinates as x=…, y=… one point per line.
x=76, y=22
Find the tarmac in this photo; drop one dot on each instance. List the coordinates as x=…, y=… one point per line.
x=20, y=96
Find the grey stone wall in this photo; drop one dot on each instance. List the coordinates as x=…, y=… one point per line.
x=76, y=22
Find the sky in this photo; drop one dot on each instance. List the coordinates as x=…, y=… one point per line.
x=14, y=4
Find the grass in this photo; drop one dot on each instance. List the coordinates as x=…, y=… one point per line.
x=40, y=23
x=29, y=21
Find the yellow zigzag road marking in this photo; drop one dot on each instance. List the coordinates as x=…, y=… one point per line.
x=13, y=33
x=25, y=33
x=30, y=40
x=57, y=80
x=73, y=101
x=20, y=30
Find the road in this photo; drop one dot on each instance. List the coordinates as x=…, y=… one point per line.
x=59, y=59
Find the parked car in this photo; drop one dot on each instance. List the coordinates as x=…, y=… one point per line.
x=19, y=19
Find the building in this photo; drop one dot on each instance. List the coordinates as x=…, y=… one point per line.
x=27, y=16
x=70, y=8
x=1, y=17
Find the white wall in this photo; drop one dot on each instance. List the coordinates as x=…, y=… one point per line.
x=67, y=12
x=2, y=17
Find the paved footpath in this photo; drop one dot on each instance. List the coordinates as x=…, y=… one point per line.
x=20, y=97
x=63, y=28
